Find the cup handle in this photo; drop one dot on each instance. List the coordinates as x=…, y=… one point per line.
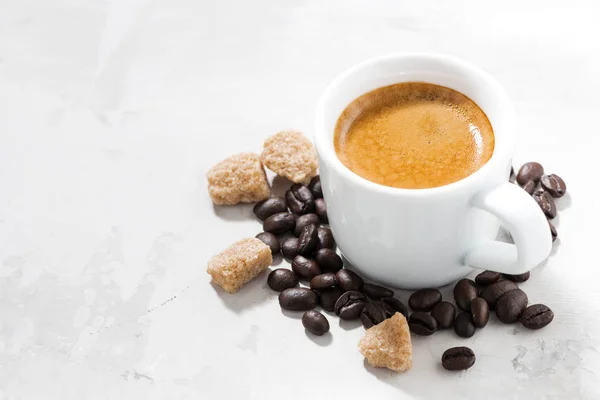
x=525, y=221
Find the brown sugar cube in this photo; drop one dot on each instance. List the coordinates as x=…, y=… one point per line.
x=290, y=154
x=239, y=178
x=388, y=344
x=239, y=263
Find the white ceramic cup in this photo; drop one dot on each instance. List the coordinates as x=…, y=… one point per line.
x=416, y=238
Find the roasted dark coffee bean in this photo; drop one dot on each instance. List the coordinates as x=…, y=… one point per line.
x=350, y=305
x=463, y=325
x=371, y=315
x=518, y=278
x=271, y=206
x=280, y=279
x=536, y=316
x=532, y=171
x=458, y=358
x=323, y=281
x=492, y=293
x=305, y=220
x=554, y=185
x=464, y=292
x=553, y=231
x=349, y=280
x=315, y=187
x=329, y=260
x=308, y=240
x=270, y=240
x=546, y=203
x=325, y=238
x=289, y=248
x=395, y=305
x=487, y=278
x=422, y=323
x=279, y=223
x=299, y=199
x=529, y=187
x=328, y=297
x=321, y=210
x=298, y=299
x=444, y=314
x=480, y=312
x=315, y=322
x=376, y=292
x=305, y=268
x=388, y=311
x=511, y=305
x=424, y=299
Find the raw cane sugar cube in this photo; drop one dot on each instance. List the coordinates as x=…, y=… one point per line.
x=239, y=178
x=388, y=344
x=239, y=263
x=290, y=154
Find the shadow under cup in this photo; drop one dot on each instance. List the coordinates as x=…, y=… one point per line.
x=411, y=238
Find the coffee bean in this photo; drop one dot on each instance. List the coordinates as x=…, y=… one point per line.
x=280, y=279
x=323, y=281
x=444, y=313
x=480, y=312
x=271, y=206
x=305, y=268
x=388, y=311
x=536, y=316
x=532, y=171
x=298, y=299
x=492, y=293
x=458, y=358
x=511, y=305
x=315, y=187
x=270, y=240
x=529, y=187
x=371, y=315
x=305, y=220
x=299, y=199
x=464, y=292
x=308, y=240
x=325, y=238
x=376, y=292
x=518, y=278
x=546, y=203
x=487, y=278
x=395, y=305
x=553, y=231
x=279, y=223
x=349, y=280
x=424, y=299
x=321, y=210
x=315, y=322
x=554, y=185
x=289, y=248
x=463, y=325
x=512, y=177
x=328, y=297
x=350, y=305
x=329, y=260
x=422, y=323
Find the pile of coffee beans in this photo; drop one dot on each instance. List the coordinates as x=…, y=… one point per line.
x=542, y=187
x=294, y=227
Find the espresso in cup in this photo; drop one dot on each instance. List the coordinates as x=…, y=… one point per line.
x=413, y=135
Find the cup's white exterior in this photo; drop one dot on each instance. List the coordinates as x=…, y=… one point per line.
x=414, y=238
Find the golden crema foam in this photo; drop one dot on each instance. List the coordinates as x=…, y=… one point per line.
x=413, y=135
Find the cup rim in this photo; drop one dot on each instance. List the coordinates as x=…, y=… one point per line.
x=326, y=150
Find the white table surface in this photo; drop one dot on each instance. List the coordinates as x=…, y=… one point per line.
x=112, y=111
